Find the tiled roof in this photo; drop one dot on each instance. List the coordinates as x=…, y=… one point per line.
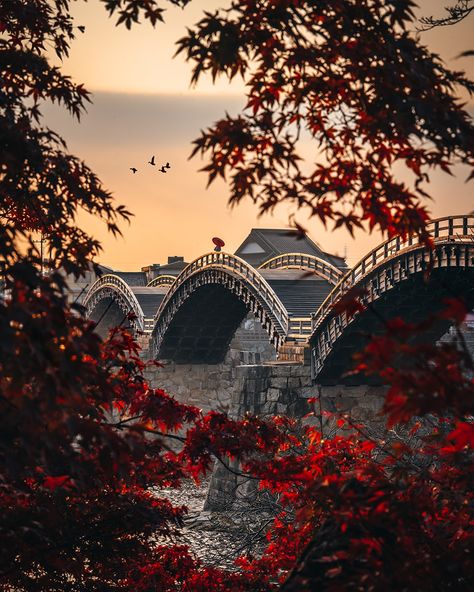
x=103, y=269
x=278, y=241
x=150, y=300
x=132, y=278
x=172, y=267
x=301, y=294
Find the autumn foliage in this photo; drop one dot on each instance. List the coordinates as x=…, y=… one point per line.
x=339, y=93
x=86, y=444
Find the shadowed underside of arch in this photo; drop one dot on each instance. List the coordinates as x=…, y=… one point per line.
x=203, y=326
x=200, y=314
x=107, y=314
x=110, y=298
x=410, y=284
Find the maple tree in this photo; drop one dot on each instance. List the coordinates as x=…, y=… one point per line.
x=351, y=77
x=85, y=442
x=386, y=513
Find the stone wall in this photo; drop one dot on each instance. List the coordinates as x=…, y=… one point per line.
x=252, y=337
x=283, y=389
x=272, y=389
x=264, y=390
x=215, y=386
x=207, y=386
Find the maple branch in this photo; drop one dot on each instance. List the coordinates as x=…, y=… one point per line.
x=456, y=14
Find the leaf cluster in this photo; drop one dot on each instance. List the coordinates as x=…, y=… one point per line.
x=350, y=80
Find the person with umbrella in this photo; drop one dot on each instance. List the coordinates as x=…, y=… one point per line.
x=219, y=243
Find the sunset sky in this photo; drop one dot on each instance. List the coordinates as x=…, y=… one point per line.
x=143, y=105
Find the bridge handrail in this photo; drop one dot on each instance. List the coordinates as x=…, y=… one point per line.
x=304, y=261
x=242, y=268
x=439, y=230
x=115, y=282
x=161, y=280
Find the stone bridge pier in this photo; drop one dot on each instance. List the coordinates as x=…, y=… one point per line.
x=245, y=382
x=216, y=386
x=284, y=389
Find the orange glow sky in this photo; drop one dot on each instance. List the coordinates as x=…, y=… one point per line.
x=143, y=105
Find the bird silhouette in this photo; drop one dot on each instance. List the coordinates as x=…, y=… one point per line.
x=152, y=161
x=82, y=28
x=133, y=169
x=163, y=170
x=167, y=165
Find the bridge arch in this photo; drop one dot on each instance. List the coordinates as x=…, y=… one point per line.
x=161, y=280
x=203, y=308
x=394, y=280
x=110, y=296
x=319, y=266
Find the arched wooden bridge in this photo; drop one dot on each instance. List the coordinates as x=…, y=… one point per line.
x=193, y=317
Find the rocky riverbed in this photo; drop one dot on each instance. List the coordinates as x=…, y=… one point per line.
x=218, y=538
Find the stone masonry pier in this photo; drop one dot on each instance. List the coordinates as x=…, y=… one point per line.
x=284, y=389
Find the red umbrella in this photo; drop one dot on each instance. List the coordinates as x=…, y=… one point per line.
x=218, y=242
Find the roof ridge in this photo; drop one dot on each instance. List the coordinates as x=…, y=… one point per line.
x=291, y=233
x=258, y=232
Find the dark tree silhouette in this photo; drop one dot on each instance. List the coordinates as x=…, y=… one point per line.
x=75, y=471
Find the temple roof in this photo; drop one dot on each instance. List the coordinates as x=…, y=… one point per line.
x=264, y=243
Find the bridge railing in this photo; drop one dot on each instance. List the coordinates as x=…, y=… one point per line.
x=118, y=285
x=449, y=227
x=244, y=270
x=304, y=261
x=161, y=280
x=299, y=328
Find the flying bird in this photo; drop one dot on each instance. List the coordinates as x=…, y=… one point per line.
x=82, y=28
x=167, y=165
x=163, y=169
x=133, y=169
x=152, y=161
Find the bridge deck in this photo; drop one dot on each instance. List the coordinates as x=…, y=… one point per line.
x=201, y=311
x=300, y=292
x=149, y=299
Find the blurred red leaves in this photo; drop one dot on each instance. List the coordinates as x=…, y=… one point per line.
x=54, y=482
x=422, y=378
x=351, y=302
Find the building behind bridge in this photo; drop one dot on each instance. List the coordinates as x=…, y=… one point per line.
x=260, y=245
x=264, y=243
